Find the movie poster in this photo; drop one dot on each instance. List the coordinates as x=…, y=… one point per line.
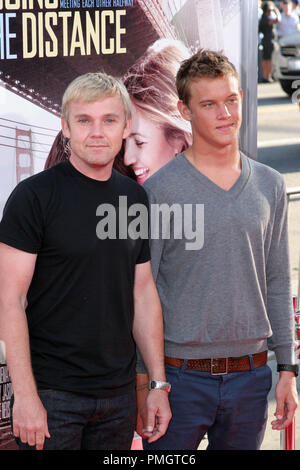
x=44, y=44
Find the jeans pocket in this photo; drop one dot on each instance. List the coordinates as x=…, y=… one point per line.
x=173, y=374
x=261, y=380
x=268, y=377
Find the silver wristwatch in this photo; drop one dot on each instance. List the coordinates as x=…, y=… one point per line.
x=159, y=385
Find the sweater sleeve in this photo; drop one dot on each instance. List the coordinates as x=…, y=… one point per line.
x=279, y=295
x=155, y=234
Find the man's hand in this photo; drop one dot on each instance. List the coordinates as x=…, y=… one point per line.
x=154, y=414
x=30, y=421
x=287, y=400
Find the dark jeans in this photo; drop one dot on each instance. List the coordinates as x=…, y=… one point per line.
x=231, y=409
x=78, y=422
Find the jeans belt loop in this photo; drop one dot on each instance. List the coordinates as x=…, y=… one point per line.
x=212, y=365
x=251, y=362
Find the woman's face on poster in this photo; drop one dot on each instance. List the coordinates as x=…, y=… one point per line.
x=146, y=148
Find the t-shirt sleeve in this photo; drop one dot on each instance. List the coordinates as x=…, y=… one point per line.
x=22, y=224
x=144, y=255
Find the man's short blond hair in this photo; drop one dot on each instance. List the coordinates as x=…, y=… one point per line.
x=91, y=87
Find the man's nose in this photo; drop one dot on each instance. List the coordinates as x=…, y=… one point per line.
x=223, y=111
x=97, y=129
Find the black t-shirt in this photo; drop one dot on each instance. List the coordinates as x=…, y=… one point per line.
x=80, y=301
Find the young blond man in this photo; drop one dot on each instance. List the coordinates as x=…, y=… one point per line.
x=72, y=304
x=227, y=303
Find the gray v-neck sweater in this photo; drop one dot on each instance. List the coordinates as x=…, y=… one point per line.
x=232, y=296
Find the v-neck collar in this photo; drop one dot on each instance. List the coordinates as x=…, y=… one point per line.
x=235, y=189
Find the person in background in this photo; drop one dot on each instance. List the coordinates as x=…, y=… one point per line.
x=289, y=22
x=260, y=10
x=270, y=17
x=158, y=131
x=74, y=303
x=260, y=47
x=295, y=7
x=227, y=299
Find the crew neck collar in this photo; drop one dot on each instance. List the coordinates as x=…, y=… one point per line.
x=81, y=175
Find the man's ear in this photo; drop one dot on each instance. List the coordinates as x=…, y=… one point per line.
x=184, y=110
x=65, y=128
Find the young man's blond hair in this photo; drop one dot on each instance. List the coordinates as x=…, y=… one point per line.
x=93, y=86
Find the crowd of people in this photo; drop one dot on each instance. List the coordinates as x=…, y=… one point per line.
x=275, y=24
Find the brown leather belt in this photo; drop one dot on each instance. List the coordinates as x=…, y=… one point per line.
x=221, y=365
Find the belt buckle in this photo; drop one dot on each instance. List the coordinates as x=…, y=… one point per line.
x=213, y=364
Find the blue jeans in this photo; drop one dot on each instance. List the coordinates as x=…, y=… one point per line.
x=231, y=409
x=78, y=422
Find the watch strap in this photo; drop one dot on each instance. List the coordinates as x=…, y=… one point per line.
x=289, y=368
x=159, y=385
